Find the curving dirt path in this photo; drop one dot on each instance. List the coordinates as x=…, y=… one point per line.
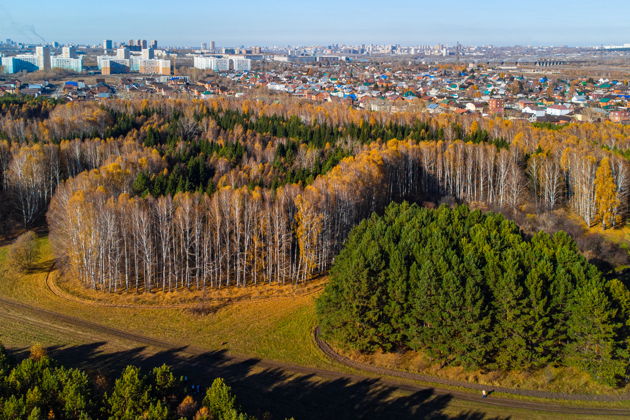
x=53, y=318
x=332, y=354
x=53, y=288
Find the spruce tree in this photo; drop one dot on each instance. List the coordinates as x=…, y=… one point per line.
x=470, y=289
x=130, y=396
x=593, y=330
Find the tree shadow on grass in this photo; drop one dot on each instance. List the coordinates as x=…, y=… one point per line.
x=263, y=390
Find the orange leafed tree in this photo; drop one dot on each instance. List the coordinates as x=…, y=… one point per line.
x=606, y=201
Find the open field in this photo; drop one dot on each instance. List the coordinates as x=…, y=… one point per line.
x=276, y=329
x=279, y=388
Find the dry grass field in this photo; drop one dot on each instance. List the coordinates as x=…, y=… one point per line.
x=277, y=328
x=182, y=297
x=554, y=379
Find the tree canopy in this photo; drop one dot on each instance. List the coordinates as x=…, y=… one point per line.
x=38, y=387
x=470, y=289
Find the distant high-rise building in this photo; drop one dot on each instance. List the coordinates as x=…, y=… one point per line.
x=152, y=66
x=147, y=53
x=142, y=43
x=153, y=44
x=241, y=64
x=122, y=53
x=204, y=45
x=67, y=63
x=134, y=45
x=68, y=52
x=108, y=44
x=19, y=63
x=212, y=46
x=43, y=57
x=109, y=65
x=222, y=64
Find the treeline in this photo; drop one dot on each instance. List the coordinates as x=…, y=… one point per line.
x=29, y=174
x=556, y=168
x=468, y=288
x=240, y=235
x=429, y=171
x=320, y=179
x=55, y=122
x=296, y=141
x=40, y=388
x=293, y=117
x=318, y=134
x=232, y=237
x=315, y=124
x=20, y=106
x=240, y=160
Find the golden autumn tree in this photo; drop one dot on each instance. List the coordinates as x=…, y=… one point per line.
x=309, y=225
x=606, y=201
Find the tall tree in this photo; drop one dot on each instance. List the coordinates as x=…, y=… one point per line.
x=606, y=201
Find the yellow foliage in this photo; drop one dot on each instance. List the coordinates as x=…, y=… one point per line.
x=606, y=200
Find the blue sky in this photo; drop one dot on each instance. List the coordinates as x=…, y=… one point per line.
x=282, y=22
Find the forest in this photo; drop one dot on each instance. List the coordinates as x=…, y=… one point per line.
x=146, y=195
x=472, y=290
x=39, y=387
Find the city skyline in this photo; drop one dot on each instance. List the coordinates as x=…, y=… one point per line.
x=580, y=23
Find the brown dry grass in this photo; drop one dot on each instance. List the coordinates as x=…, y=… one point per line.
x=554, y=379
x=72, y=288
x=619, y=236
x=277, y=327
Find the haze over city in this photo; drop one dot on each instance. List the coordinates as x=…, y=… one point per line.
x=406, y=22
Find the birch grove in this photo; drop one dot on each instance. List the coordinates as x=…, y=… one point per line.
x=162, y=195
x=241, y=236
x=30, y=173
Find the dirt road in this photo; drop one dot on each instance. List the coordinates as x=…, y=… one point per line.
x=314, y=393
x=332, y=354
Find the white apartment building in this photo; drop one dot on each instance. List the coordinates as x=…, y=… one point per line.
x=122, y=53
x=147, y=53
x=155, y=66
x=67, y=63
x=221, y=64
x=43, y=57
x=28, y=62
x=68, y=52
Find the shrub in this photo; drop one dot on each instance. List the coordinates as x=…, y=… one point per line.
x=23, y=252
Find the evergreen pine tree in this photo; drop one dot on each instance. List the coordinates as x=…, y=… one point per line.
x=593, y=331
